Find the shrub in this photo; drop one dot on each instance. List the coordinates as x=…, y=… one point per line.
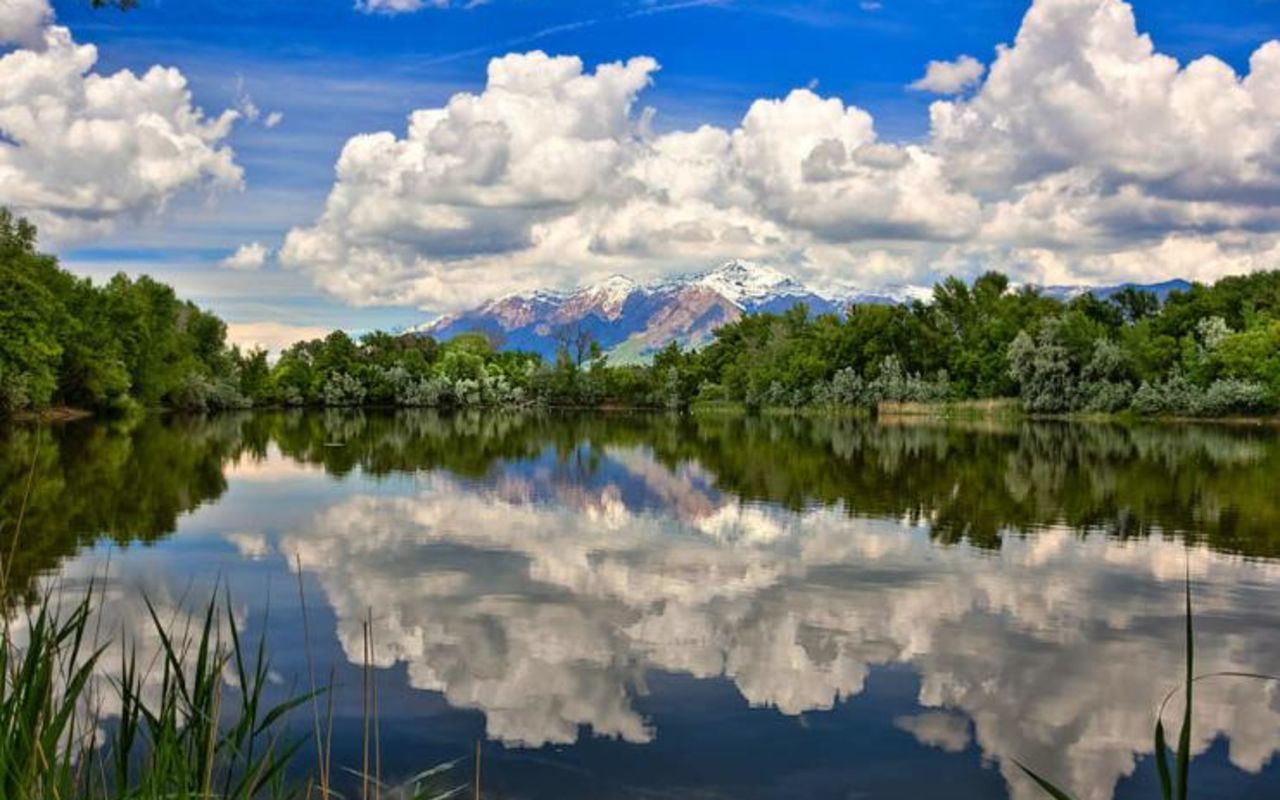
x=710, y=392
x=1044, y=372
x=343, y=389
x=467, y=392
x=14, y=392
x=1177, y=395
x=847, y=388
x=1233, y=396
x=1105, y=396
x=895, y=385
x=196, y=392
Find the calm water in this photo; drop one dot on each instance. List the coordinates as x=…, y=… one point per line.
x=652, y=607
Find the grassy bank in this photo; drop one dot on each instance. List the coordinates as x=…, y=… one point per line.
x=997, y=407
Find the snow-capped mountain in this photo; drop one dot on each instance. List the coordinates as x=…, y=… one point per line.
x=630, y=320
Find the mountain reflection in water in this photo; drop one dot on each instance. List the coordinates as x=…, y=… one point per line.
x=561, y=575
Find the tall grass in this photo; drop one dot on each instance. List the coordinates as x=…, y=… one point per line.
x=190, y=721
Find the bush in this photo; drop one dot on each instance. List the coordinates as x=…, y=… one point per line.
x=196, y=392
x=1043, y=370
x=710, y=392
x=1234, y=396
x=847, y=388
x=895, y=385
x=343, y=389
x=467, y=392
x=14, y=392
x=1176, y=395
x=1105, y=396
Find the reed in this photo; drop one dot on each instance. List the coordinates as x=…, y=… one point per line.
x=190, y=721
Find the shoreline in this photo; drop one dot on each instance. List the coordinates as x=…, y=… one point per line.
x=991, y=408
x=55, y=414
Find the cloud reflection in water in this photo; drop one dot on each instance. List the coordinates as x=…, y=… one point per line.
x=543, y=602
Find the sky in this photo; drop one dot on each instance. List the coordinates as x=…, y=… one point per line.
x=300, y=166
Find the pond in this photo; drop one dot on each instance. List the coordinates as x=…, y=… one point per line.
x=641, y=606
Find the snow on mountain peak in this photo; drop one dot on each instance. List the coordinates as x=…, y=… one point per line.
x=616, y=286
x=739, y=281
x=611, y=293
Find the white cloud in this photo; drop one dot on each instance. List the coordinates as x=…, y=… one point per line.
x=947, y=732
x=80, y=149
x=950, y=77
x=22, y=22
x=272, y=336
x=1082, y=88
x=397, y=6
x=1082, y=153
x=247, y=257
x=551, y=172
x=251, y=545
x=250, y=111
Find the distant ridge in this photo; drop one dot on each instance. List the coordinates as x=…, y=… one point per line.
x=1160, y=290
x=632, y=321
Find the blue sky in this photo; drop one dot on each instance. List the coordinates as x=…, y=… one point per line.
x=334, y=71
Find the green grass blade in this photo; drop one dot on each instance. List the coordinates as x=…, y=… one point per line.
x=1162, y=763
x=1184, y=737
x=1049, y=788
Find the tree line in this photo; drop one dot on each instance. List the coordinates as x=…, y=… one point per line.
x=65, y=341
x=1209, y=351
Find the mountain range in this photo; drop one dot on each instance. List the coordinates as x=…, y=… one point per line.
x=631, y=321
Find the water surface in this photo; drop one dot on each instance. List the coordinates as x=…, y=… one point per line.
x=653, y=606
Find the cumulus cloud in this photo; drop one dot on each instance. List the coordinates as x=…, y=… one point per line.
x=950, y=77
x=251, y=545
x=1081, y=88
x=1081, y=153
x=79, y=149
x=552, y=170
x=247, y=257
x=22, y=22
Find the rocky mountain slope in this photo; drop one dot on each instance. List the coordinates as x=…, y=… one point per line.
x=631, y=321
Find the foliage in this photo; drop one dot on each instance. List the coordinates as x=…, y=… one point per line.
x=65, y=341
x=1209, y=351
